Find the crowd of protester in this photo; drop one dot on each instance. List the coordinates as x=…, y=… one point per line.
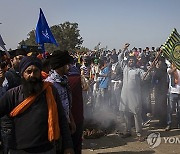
x=46, y=98
x=136, y=84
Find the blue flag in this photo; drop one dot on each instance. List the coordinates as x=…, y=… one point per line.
x=43, y=32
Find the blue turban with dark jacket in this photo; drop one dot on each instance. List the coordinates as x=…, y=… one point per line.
x=28, y=61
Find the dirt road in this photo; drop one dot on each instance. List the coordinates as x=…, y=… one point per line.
x=167, y=143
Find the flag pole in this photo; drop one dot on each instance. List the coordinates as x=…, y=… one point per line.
x=152, y=64
x=43, y=50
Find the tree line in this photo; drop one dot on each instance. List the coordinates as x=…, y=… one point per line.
x=66, y=34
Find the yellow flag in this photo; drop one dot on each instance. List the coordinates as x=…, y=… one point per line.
x=171, y=48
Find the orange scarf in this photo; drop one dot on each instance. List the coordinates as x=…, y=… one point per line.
x=53, y=123
x=176, y=78
x=44, y=74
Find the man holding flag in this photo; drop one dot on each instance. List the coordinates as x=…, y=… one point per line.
x=171, y=49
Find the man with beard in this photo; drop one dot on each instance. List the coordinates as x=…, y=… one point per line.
x=36, y=112
x=131, y=95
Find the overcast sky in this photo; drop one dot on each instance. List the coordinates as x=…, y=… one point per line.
x=112, y=22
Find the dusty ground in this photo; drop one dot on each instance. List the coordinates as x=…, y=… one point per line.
x=114, y=144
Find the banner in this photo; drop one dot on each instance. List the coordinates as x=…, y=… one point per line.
x=43, y=32
x=171, y=48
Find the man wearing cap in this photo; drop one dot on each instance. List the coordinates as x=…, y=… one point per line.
x=36, y=111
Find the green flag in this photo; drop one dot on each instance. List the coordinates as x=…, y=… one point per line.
x=171, y=48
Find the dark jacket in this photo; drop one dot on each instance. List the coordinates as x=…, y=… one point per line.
x=31, y=126
x=13, y=77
